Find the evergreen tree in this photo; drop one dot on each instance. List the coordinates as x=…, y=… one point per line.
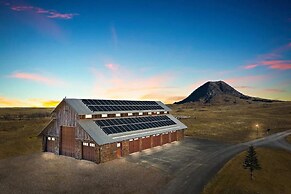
x=251, y=161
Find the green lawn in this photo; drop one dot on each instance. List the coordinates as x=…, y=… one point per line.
x=274, y=177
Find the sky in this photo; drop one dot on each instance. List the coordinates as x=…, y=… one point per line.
x=141, y=50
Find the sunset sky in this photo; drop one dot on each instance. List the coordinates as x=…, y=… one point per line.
x=154, y=50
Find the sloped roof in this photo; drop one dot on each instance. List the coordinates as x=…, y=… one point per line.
x=101, y=138
x=82, y=109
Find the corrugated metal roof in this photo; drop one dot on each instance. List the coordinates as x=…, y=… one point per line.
x=101, y=138
x=82, y=109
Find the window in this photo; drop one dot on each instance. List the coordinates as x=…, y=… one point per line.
x=88, y=116
x=92, y=144
x=140, y=113
x=131, y=140
x=85, y=144
x=147, y=136
x=49, y=138
x=166, y=112
x=158, y=113
x=53, y=139
x=118, y=114
x=118, y=145
x=143, y=137
x=150, y=113
x=104, y=115
x=130, y=114
x=136, y=138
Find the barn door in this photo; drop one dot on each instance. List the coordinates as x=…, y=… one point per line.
x=68, y=141
x=88, y=151
x=119, y=150
x=49, y=144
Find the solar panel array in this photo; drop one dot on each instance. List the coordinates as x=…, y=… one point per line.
x=120, y=105
x=112, y=126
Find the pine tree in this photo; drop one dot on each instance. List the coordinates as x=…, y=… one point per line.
x=251, y=161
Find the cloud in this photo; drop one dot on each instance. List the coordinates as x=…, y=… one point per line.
x=48, y=13
x=244, y=87
x=246, y=79
x=274, y=90
x=251, y=66
x=273, y=60
x=12, y=102
x=37, y=78
x=123, y=83
x=278, y=64
x=112, y=67
x=114, y=36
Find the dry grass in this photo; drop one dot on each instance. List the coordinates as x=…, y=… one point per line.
x=274, y=177
x=19, y=128
x=234, y=123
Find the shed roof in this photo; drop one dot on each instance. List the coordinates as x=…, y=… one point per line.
x=81, y=108
x=101, y=138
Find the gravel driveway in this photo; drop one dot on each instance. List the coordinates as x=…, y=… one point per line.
x=179, y=167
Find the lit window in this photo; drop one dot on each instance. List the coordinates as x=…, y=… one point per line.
x=140, y=113
x=166, y=112
x=136, y=138
x=92, y=144
x=131, y=140
x=143, y=137
x=149, y=113
x=88, y=116
x=147, y=136
x=118, y=145
x=157, y=134
x=158, y=113
x=154, y=135
x=49, y=138
x=118, y=114
x=130, y=114
x=85, y=144
x=104, y=115
x=53, y=139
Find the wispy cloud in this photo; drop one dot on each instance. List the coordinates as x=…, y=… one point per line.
x=244, y=87
x=274, y=90
x=13, y=102
x=114, y=36
x=123, y=83
x=47, y=12
x=246, y=79
x=112, y=67
x=273, y=60
x=37, y=78
x=251, y=66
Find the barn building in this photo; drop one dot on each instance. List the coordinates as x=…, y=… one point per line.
x=102, y=130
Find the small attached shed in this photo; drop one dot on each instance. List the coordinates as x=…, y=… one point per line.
x=102, y=130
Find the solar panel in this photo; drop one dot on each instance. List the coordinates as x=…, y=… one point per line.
x=120, y=105
x=112, y=126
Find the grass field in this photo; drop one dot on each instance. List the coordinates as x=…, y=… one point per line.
x=227, y=123
x=19, y=128
x=274, y=177
x=234, y=123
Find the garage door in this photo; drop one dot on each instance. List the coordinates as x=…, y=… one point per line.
x=156, y=140
x=165, y=138
x=146, y=142
x=89, y=152
x=50, y=144
x=174, y=136
x=133, y=146
x=68, y=141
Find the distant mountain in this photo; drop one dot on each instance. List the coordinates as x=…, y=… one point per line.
x=219, y=92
